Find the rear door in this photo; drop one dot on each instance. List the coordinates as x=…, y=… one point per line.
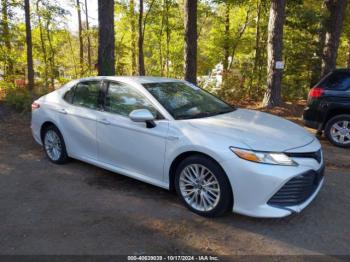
x=78, y=119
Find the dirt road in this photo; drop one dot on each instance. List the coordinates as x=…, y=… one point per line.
x=80, y=209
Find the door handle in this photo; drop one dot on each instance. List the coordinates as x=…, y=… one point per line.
x=104, y=121
x=173, y=138
x=62, y=111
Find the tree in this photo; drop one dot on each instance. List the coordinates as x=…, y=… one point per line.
x=317, y=59
x=88, y=36
x=274, y=53
x=42, y=43
x=190, y=56
x=140, y=42
x=30, y=67
x=7, y=39
x=257, y=53
x=106, y=56
x=334, y=25
x=81, y=45
x=238, y=36
x=227, y=35
x=133, y=37
x=160, y=38
x=142, y=29
x=168, y=37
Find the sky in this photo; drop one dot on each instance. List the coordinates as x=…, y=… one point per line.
x=72, y=20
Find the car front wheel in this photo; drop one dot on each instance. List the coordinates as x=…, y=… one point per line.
x=203, y=186
x=337, y=130
x=54, y=146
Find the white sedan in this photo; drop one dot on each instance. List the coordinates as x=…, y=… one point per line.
x=174, y=135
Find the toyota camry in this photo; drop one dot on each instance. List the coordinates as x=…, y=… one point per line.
x=175, y=135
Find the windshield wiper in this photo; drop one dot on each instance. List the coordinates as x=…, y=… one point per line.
x=226, y=111
x=199, y=115
x=205, y=114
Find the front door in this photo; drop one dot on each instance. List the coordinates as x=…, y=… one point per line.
x=126, y=144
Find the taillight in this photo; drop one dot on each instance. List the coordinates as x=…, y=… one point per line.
x=35, y=106
x=316, y=92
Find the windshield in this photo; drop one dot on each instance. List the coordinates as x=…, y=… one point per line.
x=186, y=101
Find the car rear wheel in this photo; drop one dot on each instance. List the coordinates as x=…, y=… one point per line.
x=203, y=186
x=337, y=130
x=54, y=145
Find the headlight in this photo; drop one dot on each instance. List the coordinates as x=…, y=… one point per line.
x=264, y=157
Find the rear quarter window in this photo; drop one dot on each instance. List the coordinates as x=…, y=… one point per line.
x=68, y=96
x=337, y=81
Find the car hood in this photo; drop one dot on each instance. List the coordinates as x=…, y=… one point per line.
x=259, y=131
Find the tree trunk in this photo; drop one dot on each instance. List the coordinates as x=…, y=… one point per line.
x=43, y=45
x=316, y=64
x=227, y=36
x=72, y=54
x=140, y=42
x=348, y=61
x=88, y=36
x=168, y=37
x=257, y=37
x=190, y=56
x=238, y=37
x=7, y=39
x=30, y=67
x=160, y=40
x=133, y=38
x=81, y=46
x=106, y=56
x=274, y=53
x=257, y=53
x=334, y=25
x=52, y=56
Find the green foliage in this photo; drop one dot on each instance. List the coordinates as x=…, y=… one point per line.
x=56, y=49
x=232, y=87
x=344, y=48
x=18, y=98
x=300, y=44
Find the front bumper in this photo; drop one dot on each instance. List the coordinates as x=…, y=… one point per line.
x=254, y=184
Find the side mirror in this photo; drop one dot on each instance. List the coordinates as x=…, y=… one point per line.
x=143, y=115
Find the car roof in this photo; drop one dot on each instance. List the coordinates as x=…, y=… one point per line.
x=136, y=79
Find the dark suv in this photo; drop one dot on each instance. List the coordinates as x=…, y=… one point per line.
x=328, y=107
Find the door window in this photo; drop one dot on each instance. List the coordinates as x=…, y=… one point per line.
x=87, y=94
x=122, y=99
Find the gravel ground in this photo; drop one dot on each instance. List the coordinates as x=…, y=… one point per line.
x=81, y=209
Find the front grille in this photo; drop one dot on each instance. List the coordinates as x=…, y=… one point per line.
x=298, y=189
x=315, y=155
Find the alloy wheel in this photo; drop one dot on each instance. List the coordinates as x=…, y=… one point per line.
x=199, y=187
x=340, y=132
x=53, y=146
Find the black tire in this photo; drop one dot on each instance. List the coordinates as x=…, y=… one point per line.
x=225, y=202
x=63, y=158
x=328, y=129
